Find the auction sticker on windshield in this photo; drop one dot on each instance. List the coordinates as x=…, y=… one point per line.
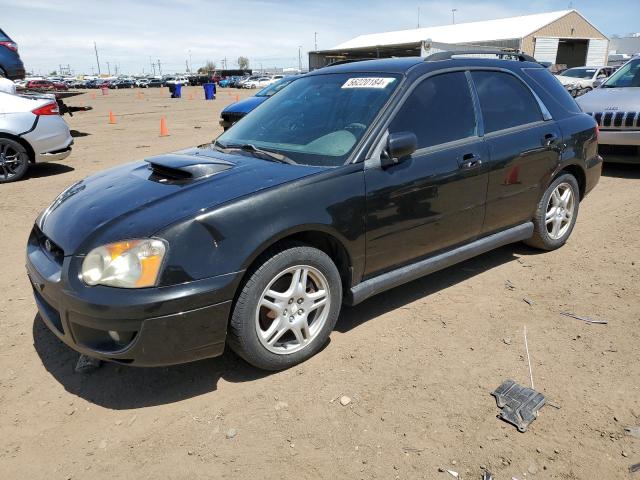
x=368, y=82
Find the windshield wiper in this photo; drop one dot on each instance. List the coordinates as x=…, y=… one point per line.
x=266, y=154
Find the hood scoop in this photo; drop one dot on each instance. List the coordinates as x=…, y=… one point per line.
x=183, y=168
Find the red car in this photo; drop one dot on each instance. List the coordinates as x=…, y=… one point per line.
x=45, y=85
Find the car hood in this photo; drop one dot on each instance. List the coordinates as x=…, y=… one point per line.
x=625, y=99
x=138, y=199
x=244, y=106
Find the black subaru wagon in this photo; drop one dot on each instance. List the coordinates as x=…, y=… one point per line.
x=354, y=179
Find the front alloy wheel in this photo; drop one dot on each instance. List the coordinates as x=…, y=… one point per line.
x=286, y=308
x=293, y=308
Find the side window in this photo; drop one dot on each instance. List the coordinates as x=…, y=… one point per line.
x=439, y=110
x=505, y=101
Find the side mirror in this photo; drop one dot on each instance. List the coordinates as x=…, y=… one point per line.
x=399, y=146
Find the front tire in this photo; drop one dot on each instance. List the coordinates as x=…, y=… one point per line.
x=556, y=214
x=287, y=308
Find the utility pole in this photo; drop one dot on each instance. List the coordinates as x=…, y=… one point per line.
x=159, y=68
x=190, y=63
x=300, y=58
x=108, y=69
x=315, y=40
x=453, y=15
x=97, y=59
x=418, y=16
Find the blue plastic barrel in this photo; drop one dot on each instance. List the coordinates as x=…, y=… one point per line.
x=177, y=92
x=209, y=91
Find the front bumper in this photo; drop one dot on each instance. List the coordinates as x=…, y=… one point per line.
x=139, y=327
x=619, y=146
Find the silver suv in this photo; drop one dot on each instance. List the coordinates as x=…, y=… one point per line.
x=615, y=105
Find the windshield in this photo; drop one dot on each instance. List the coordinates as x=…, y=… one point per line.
x=627, y=76
x=579, y=72
x=274, y=88
x=317, y=120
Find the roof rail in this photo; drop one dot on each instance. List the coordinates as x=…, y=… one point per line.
x=348, y=60
x=501, y=54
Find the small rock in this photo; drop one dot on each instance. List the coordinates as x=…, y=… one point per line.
x=506, y=340
x=624, y=454
x=231, y=433
x=453, y=462
x=538, y=450
x=102, y=444
x=281, y=405
x=87, y=364
x=533, y=468
x=189, y=452
x=556, y=451
x=344, y=400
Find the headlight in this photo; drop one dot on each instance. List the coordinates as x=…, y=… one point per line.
x=127, y=264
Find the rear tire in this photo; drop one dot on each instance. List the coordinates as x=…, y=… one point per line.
x=286, y=309
x=556, y=213
x=14, y=160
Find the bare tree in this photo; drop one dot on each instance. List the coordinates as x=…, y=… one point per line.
x=243, y=63
x=209, y=67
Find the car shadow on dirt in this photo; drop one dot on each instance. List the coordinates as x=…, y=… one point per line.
x=621, y=170
x=352, y=317
x=40, y=170
x=120, y=387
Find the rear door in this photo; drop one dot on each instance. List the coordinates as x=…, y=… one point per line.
x=524, y=147
x=435, y=198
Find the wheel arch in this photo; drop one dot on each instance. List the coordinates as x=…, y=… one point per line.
x=578, y=172
x=317, y=236
x=23, y=142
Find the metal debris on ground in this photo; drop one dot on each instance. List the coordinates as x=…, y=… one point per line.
x=487, y=475
x=453, y=474
x=634, y=468
x=509, y=286
x=584, y=319
x=87, y=364
x=519, y=405
x=528, y=301
x=633, y=431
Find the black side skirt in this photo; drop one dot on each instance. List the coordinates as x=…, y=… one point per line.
x=405, y=274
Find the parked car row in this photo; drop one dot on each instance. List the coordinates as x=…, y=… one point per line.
x=580, y=80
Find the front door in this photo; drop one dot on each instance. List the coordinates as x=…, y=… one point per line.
x=434, y=199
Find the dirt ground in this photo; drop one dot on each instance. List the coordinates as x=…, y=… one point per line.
x=418, y=362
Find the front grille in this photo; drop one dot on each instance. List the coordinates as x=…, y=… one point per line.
x=53, y=250
x=617, y=120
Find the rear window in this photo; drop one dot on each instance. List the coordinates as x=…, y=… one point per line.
x=552, y=86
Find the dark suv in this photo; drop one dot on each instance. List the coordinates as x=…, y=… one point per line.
x=354, y=179
x=11, y=66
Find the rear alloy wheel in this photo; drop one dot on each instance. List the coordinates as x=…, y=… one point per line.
x=14, y=160
x=286, y=309
x=556, y=213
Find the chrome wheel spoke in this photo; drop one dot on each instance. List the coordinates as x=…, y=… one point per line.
x=551, y=214
x=560, y=210
x=565, y=198
x=288, y=321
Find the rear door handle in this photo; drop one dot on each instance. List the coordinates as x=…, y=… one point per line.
x=550, y=139
x=469, y=161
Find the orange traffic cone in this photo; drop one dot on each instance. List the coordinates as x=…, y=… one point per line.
x=164, y=131
x=112, y=118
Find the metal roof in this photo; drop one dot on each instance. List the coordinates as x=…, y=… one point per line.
x=499, y=29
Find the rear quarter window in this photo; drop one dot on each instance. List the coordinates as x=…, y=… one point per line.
x=4, y=37
x=543, y=79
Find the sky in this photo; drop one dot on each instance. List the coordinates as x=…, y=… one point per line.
x=133, y=34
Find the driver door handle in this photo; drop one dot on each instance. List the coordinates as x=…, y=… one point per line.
x=470, y=161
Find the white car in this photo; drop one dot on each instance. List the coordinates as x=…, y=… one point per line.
x=584, y=78
x=181, y=80
x=259, y=82
x=31, y=131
